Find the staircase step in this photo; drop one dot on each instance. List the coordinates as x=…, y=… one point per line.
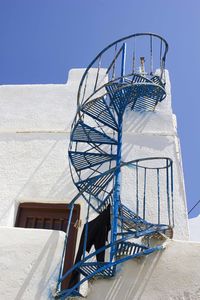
x=130, y=217
x=120, y=95
x=85, y=133
x=104, y=204
x=143, y=97
x=128, y=248
x=100, y=269
x=156, y=79
x=137, y=78
x=94, y=185
x=85, y=160
x=100, y=111
x=136, y=226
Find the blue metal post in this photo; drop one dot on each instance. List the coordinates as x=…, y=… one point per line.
x=144, y=195
x=123, y=62
x=116, y=195
x=158, y=185
x=168, y=196
x=137, y=198
x=172, y=193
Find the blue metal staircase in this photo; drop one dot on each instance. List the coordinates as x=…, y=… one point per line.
x=95, y=154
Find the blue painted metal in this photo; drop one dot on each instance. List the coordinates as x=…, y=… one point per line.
x=168, y=198
x=144, y=194
x=84, y=133
x=99, y=110
x=95, y=155
x=172, y=194
x=158, y=183
x=137, y=199
x=85, y=160
x=116, y=194
x=106, y=266
x=123, y=62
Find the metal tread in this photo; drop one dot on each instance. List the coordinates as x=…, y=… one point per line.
x=85, y=160
x=99, y=110
x=89, y=268
x=139, y=97
x=131, y=221
x=94, y=185
x=87, y=134
x=107, y=269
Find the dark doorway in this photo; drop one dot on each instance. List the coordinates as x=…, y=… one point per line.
x=51, y=216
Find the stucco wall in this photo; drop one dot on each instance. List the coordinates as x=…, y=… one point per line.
x=29, y=263
x=34, y=135
x=168, y=275
x=35, y=123
x=35, y=126
x=194, y=226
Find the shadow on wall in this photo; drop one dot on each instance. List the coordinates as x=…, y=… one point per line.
x=153, y=143
x=171, y=274
x=136, y=125
x=131, y=286
x=136, y=122
x=45, y=278
x=58, y=190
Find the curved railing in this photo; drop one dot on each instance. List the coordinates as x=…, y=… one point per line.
x=154, y=52
x=153, y=178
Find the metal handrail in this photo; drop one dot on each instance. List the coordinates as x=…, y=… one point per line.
x=162, y=62
x=136, y=161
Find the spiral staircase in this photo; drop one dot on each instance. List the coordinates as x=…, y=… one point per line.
x=114, y=83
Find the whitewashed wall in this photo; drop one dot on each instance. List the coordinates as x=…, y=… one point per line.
x=171, y=274
x=29, y=263
x=34, y=135
x=35, y=123
x=194, y=226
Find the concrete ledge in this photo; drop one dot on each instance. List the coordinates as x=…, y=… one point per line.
x=29, y=262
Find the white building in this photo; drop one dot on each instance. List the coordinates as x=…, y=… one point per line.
x=35, y=126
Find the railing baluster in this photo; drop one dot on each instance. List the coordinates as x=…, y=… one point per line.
x=172, y=193
x=85, y=87
x=133, y=60
x=113, y=69
x=158, y=185
x=151, y=55
x=86, y=229
x=161, y=60
x=114, y=59
x=123, y=65
x=97, y=76
x=161, y=54
x=144, y=193
x=167, y=185
x=137, y=198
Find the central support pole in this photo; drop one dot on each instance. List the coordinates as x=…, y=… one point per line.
x=117, y=184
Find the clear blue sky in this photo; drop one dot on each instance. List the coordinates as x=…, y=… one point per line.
x=42, y=39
